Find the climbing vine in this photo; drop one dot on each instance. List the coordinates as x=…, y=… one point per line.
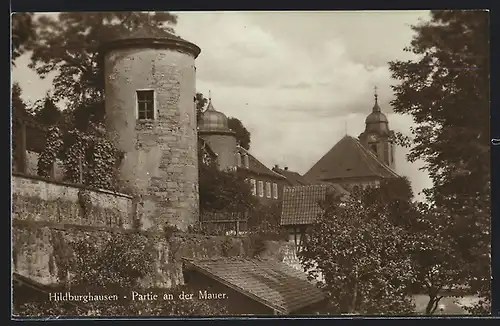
x=53, y=145
x=88, y=157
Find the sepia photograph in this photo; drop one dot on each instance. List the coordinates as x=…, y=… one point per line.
x=250, y=163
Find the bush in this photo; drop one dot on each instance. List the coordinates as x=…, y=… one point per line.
x=114, y=266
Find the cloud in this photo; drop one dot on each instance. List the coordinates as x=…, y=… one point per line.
x=293, y=78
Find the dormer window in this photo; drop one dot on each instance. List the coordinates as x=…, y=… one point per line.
x=245, y=161
x=145, y=104
x=238, y=159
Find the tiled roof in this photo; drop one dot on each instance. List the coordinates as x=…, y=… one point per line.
x=294, y=178
x=301, y=203
x=347, y=159
x=270, y=282
x=256, y=166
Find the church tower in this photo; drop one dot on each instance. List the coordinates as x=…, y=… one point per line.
x=377, y=135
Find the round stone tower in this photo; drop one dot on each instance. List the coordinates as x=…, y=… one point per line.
x=150, y=114
x=213, y=128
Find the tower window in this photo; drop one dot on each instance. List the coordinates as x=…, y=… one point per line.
x=145, y=105
x=374, y=148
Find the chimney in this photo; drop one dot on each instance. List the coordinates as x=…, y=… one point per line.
x=276, y=166
x=286, y=168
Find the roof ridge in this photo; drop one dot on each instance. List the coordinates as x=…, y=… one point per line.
x=322, y=157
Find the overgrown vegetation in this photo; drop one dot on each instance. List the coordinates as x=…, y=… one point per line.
x=114, y=266
x=88, y=158
x=447, y=93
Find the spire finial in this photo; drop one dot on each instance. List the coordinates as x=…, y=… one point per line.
x=209, y=95
x=345, y=127
x=375, y=93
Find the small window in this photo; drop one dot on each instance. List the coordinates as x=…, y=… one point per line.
x=254, y=186
x=261, y=188
x=145, y=105
x=374, y=148
x=275, y=191
x=268, y=189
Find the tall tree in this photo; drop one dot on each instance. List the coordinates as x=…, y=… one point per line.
x=23, y=31
x=18, y=104
x=224, y=191
x=242, y=134
x=363, y=259
x=68, y=45
x=446, y=91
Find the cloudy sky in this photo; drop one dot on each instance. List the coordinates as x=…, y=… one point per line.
x=297, y=80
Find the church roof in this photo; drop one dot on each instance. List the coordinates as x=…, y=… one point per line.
x=349, y=159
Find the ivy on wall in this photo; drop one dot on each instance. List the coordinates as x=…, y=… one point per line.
x=88, y=158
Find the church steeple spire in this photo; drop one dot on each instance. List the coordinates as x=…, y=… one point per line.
x=376, y=107
x=210, y=105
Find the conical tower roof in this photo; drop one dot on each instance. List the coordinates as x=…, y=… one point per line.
x=148, y=35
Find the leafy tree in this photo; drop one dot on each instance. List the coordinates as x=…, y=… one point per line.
x=446, y=91
x=437, y=264
x=242, y=134
x=88, y=158
x=46, y=112
x=23, y=32
x=265, y=220
x=224, y=191
x=362, y=259
x=18, y=105
x=68, y=45
x=115, y=266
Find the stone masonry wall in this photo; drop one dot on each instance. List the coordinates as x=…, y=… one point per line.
x=36, y=199
x=160, y=162
x=47, y=216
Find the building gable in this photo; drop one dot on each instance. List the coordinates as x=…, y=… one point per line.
x=349, y=159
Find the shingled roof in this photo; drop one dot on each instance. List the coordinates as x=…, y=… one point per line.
x=349, y=159
x=301, y=203
x=268, y=281
x=294, y=178
x=255, y=166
